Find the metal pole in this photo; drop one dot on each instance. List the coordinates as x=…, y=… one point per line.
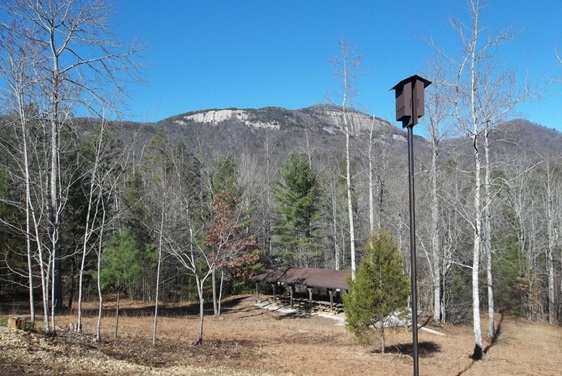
x=410, y=107
x=413, y=249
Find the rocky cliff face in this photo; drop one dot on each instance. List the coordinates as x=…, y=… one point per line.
x=215, y=117
x=325, y=119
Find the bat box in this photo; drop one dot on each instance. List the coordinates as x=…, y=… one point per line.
x=410, y=99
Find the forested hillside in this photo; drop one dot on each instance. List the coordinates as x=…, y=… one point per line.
x=139, y=188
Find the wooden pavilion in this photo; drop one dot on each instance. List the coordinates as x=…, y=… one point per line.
x=306, y=279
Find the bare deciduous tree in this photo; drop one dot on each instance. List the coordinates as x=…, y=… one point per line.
x=438, y=112
x=483, y=98
x=347, y=66
x=103, y=175
x=16, y=69
x=78, y=67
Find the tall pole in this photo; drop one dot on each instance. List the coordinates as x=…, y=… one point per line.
x=413, y=276
x=410, y=107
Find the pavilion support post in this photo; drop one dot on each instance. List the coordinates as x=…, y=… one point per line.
x=257, y=292
x=309, y=298
x=273, y=287
x=331, y=294
x=291, y=292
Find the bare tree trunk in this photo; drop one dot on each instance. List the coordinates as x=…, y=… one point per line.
x=477, y=233
x=29, y=265
x=54, y=209
x=158, y=279
x=478, y=349
x=560, y=295
x=349, y=62
x=488, y=236
x=383, y=339
x=100, y=296
x=438, y=105
x=551, y=233
x=268, y=243
x=53, y=297
x=551, y=284
x=117, y=315
x=337, y=252
x=220, y=293
x=28, y=209
x=381, y=201
x=435, y=246
x=90, y=219
x=214, y=288
x=45, y=271
x=199, y=339
x=371, y=183
x=350, y=203
x=56, y=293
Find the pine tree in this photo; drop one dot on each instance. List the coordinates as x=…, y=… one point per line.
x=298, y=211
x=122, y=262
x=380, y=288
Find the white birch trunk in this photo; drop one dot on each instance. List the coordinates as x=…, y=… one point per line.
x=348, y=172
x=158, y=279
x=89, y=224
x=28, y=208
x=220, y=293
x=200, y=283
x=477, y=233
x=214, y=288
x=115, y=334
x=100, y=296
x=435, y=246
x=350, y=205
x=54, y=214
x=488, y=237
x=476, y=261
x=349, y=63
x=53, y=287
x=551, y=246
x=371, y=198
x=337, y=255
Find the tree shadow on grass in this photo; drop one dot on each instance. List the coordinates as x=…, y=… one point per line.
x=298, y=314
x=496, y=334
x=487, y=348
x=165, y=309
x=425, y=348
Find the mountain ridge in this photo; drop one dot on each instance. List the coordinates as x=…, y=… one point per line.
x=319, y=117
x=215, y=131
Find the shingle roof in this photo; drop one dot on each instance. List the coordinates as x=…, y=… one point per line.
x=311, y=277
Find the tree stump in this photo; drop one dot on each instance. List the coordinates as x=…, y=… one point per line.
x=11, y=323
x=16, y=323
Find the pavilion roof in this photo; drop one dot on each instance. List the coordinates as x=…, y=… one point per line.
x=311, y=277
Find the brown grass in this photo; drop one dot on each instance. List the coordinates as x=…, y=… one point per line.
x=251, y=339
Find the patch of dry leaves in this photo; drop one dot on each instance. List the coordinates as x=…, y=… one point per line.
x=248, y=340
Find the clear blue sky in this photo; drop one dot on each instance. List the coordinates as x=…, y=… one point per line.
x=241, y=53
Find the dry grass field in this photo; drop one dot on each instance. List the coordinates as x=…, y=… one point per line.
x=249, y=340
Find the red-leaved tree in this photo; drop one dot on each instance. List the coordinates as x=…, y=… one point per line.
x=234, y=250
